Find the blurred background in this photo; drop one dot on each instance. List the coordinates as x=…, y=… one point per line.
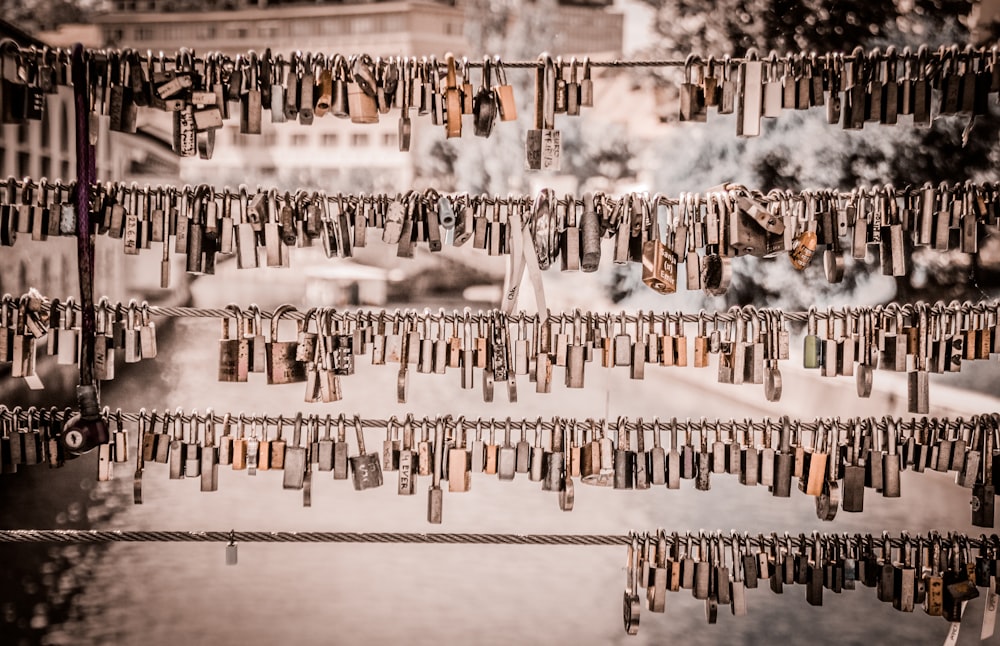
x=630, y=140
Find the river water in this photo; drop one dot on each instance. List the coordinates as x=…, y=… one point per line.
x=165, y=594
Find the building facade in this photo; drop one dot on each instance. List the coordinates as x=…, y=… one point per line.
x=332, y=154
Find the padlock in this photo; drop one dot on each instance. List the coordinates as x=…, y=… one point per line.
x=211, y=453
x=506, y=105
x=296, y=457
x=543, y=145
x=631, y=604
x=484, y=104
x=692, y=94
x=459, y=462
x=435, y=495
x=751, y=90
x=68, y=336
x=282, y=365
x=233, y=351
x=366, y=468
x=362, y=105
x=984, y=491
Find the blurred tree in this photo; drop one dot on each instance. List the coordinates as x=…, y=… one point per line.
x=517, y=30
x=799, y=149
x=40, y=15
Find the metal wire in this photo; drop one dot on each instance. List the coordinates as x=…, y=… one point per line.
x=761, y=541
x=187, y=55
x=418, y=318
x=691, y=198
x=903, y=427
x=118, y=536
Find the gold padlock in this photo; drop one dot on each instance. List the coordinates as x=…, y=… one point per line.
x=659, y=267
x=361, y=102
x=802, y=253
x=452, y=100
x=504, y=93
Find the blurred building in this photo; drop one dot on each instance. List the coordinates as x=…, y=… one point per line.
x=46, y=149
x=332, y=154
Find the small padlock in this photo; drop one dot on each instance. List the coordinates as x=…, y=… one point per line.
x=543, y=146
x=366, y=468
x=296, y=457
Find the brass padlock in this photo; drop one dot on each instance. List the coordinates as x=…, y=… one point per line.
x=361, y=102
x=452, y=100
x=282, y=365
x=659, y=266
x=504, y=93
x=802, y=253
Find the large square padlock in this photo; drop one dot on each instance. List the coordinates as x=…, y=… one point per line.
x=746, y=236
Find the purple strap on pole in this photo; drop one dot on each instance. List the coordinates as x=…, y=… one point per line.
x=86, y=174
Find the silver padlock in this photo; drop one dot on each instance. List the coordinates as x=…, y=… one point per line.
x=296, y=458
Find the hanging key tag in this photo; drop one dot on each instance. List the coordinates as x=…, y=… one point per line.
x=231, y=553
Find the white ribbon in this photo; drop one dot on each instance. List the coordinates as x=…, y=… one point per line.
x=522, y=257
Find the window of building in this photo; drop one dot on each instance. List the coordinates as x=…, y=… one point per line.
x=268, y=30
x=389, y=140
x=22, y=277
x=393, y=23
x=46, y=274
x=300, y=141
x=237, y=31
x=46, y=166
x=64, y=132
x=203, y=32
x=270, y=138
x=362, y=25
x=65, y=173
x=23, y=164
x=333, y=27
x=22, y=132
x=359, y=140
x=144, y=33
x=46, y=126
x=330, y=139
x=304, y=28
x=116, y=35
